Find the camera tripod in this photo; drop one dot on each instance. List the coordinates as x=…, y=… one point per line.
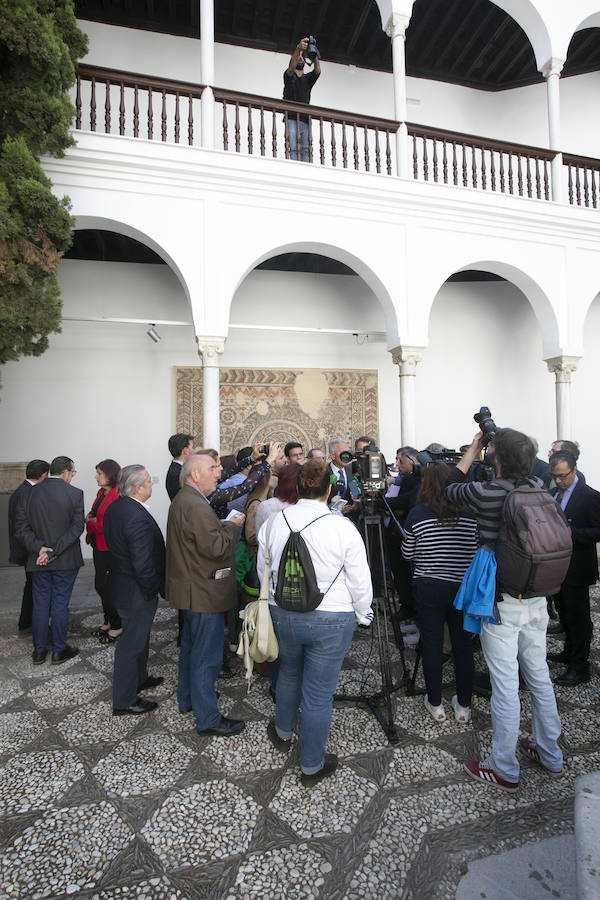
x=386, y=614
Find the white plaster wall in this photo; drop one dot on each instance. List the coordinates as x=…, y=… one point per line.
x=106, y=390
x=518, y=115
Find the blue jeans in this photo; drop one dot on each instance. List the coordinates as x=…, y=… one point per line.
x=294, y=128
x=200, y=660
x=51, y=595
x=312, y=647
x=520, y=641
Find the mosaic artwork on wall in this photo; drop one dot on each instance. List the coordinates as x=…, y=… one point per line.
x=307, y=405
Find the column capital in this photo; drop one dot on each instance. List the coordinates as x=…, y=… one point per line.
x=553, y=66
x=563, y=367
x=210, y=349
x=407, y=358
x=396, y=25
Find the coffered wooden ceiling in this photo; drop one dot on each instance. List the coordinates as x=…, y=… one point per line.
x=469, y=42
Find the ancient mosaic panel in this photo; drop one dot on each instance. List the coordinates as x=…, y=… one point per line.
x=307, y=405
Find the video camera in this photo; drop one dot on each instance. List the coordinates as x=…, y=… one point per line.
x=311, y=53
x=368, y=467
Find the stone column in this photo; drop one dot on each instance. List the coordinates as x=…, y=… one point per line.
x=551, y=72
x=396, y=30
x=207, y=76
x=209, y=350
x=563, y=367
x=406, y=358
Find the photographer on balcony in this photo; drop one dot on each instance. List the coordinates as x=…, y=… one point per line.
x=297, y=86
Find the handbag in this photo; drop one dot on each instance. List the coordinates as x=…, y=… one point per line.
x=257, y=638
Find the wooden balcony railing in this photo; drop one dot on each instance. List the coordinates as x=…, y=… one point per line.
x=139, y=106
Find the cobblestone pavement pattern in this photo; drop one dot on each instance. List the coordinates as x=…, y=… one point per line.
x=143, y=807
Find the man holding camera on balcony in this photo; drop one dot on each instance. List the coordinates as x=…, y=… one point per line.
x=297, y=86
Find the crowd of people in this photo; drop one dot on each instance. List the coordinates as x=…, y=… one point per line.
x=229, y=515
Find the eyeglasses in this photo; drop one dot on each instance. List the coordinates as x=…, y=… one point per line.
x=563, y=475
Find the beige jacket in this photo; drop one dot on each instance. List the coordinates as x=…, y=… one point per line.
x=198, y=545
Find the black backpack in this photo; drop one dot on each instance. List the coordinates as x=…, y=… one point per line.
x=297, y=589
x=534, y=546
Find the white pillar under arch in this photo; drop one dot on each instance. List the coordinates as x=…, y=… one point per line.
x=407, y=359
x=210, y=349
x=207, y=71
x=396, y=30
x=563, y=367
x=551, y=72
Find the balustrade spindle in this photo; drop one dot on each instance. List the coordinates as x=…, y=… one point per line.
x=388, y=152
x=163, y=117
x=510, y=174
x=454, y=164
x=250, y=132
x=586, y=193
x=435, y=161
x=321, y=141
x=366, y=133
x=333, y=145
x=577, y=186
x=298, y=147
x=122, y=109
x=93, y=106
x=425, y=160
x=377, y=153
x=344, y=147
x=528, y=175
x=594, y=196
x=492, y=170
x=415, y=158
x=107, y=107
x=483, y=172
x=274, y=135
x=136, y=112
x=237, y=127
x=310, y=140
x=546, y=181
x=355, y=146
x=502, y=179
x=445, y=161
x=150, y=116
x=520, y=174
x=286, y=134
x=262, y=131
x=474, y=166
x=78, y=103
x=571, y=198
x=190, y=120
x=177, y=119
x=538, y=184
x=464, y=165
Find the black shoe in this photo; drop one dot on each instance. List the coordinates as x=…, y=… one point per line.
x=329, y=766
x=39, y=658
x=64, y=655
x=557, y=657
x=554, y=627
x=225, y=728
x=25, y=632
x=279, y=743
x=273, y=695
x=136, y=709
x=150, y=682
x=571, y=678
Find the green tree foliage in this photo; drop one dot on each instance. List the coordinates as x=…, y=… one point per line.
x=39, y=45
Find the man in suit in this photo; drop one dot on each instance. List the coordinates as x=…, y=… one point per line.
x=180, y=447
x=50, y=528
x=581, y=505
x=341, y=476
x=201, y=582
x=137, y=577
x=36, y=471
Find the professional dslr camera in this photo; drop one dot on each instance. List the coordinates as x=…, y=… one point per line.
x=368, y=467
x=486, y=424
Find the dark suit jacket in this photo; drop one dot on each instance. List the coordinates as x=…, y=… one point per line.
x=53, y=518
x=198, y=545
x=137, y=550
x=17, y=503
x=583, y=515
x=346, y=494
x=407, y=495
x=172, y=480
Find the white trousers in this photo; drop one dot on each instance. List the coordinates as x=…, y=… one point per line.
x=520, y=642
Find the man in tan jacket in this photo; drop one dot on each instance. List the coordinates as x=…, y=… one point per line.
x=200, y=581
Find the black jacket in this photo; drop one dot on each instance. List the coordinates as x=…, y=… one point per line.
x=17, y=504
x=137, y=550
x=53, y=518
x=583, y=515
x=172, y=480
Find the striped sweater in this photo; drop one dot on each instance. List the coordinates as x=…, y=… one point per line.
x=441, y=550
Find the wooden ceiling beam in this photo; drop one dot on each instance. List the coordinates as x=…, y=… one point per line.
x=358, y=29
x=431, y=43
x=485, y=50
x=469, y=45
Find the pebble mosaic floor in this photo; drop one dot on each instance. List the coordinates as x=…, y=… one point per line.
x=98, y=807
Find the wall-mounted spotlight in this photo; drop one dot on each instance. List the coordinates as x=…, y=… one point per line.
x=153, y=334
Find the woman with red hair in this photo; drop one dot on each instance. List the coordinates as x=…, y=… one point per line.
x=106, y=478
